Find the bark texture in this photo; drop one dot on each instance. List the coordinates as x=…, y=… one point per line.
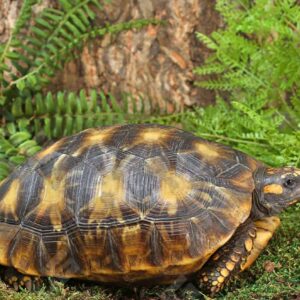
x=155, y=62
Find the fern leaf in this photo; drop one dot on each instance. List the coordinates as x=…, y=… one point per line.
x=207, y=41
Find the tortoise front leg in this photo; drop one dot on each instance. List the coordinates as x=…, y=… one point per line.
x=227, y=261
x=237, y=254
x=265, y=229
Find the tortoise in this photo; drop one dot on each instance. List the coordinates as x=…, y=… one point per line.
x=139, y=204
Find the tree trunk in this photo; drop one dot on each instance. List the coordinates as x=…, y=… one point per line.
x=156, y=62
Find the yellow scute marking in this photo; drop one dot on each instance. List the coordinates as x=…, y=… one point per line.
x=273, y=189
x=97, y=137
x=173, y=189
x=49, y=150
x=152, y=135
x=7, y=235
x=9, y=203
x=112, y=185
x=106, y=202
x=52, y=203
x=205, y=196
x=206, y=150
x=156, y=165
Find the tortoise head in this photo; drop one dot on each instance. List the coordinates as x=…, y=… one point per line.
x=275, y=189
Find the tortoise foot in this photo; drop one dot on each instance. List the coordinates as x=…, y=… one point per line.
x=17, y=280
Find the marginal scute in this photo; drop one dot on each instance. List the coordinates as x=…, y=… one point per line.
x=9, y=203
x=125, y=203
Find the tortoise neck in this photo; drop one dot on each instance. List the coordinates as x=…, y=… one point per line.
x=259, y=210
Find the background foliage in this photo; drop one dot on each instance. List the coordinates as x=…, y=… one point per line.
x=30, y=114
x=255, y=63
x=254, y=67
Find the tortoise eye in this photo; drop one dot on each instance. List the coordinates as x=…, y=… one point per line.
x=290, y=183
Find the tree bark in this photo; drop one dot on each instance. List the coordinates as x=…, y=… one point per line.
x=155, y=62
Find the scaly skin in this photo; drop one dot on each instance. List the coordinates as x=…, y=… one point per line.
x=16, y=279
x=228, y=260
x=238, y=254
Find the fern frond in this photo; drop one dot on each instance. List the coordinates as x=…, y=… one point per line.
x=6, y=50
x=209, y=42
x=16, y=145
x=52, y=56
x=210, y=68
x=61, y=114
x=220, y=84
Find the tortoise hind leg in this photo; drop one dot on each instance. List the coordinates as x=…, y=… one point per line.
x=16, y=279
x=237, y=254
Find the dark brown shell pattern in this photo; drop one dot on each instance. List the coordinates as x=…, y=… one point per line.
x=123, y=204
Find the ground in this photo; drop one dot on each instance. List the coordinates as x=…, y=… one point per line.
x=275, y=275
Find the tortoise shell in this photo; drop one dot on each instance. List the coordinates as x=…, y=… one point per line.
x=124, y=204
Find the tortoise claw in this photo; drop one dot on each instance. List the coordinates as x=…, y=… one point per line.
x=28, y=285
x=16, y=286
x=17, y=280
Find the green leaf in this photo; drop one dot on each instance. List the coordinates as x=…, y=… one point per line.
x=19, y=137
x=17, y=109
x=89, y=12
x=50, y=106
x=39, y=32
x=11, y=128
x=78, y=23
x=43, y=22
x=17, y=159
x=65, y=4
x=4, y=170
x=33, y=150
x=40, y=106
x=32, y=80
x=68, y=125
x=48, y=127
x=28, y=107
x=12, y=55
x=58, y=130
x=21, y=84
x=83, y=101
